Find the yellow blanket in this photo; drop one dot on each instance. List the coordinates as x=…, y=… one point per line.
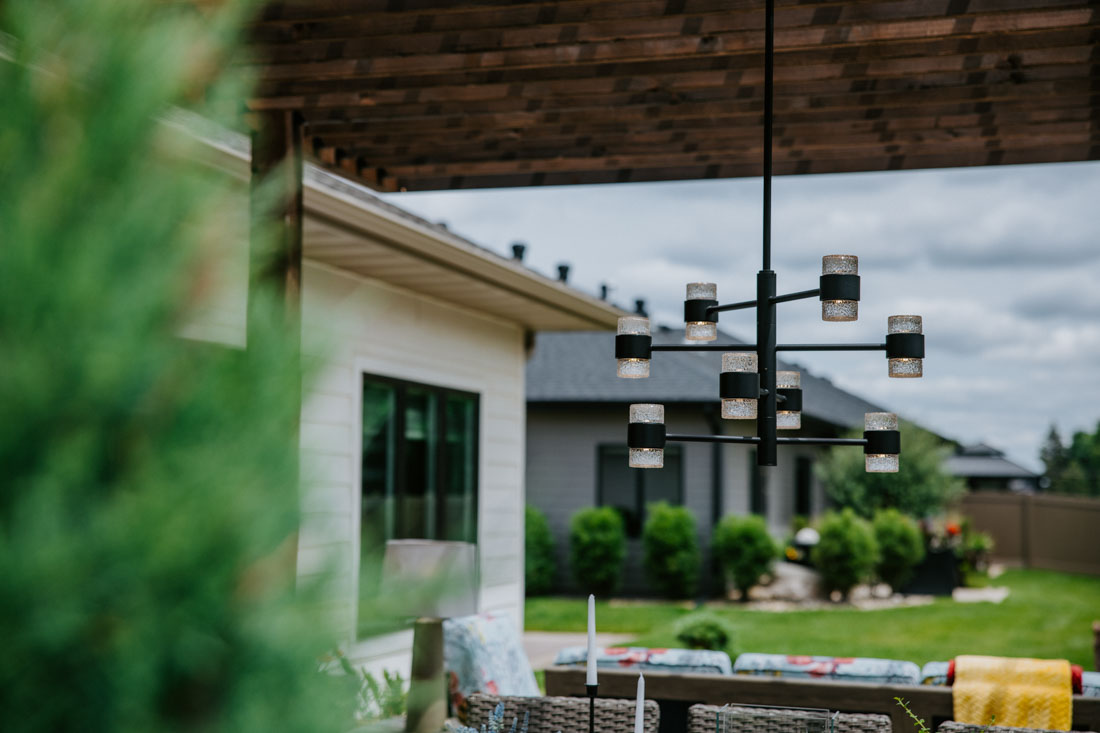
x=1025, y=693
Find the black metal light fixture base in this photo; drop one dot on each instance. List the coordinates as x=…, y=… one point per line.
x=748, y=383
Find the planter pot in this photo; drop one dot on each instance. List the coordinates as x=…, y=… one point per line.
x=937, y=575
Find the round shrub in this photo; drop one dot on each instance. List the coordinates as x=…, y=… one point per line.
x=597, y=545
x=705, y=630
x=671, y=550
x=744, y=550
x=900, y=547
x=846, y=553
x=539, y=563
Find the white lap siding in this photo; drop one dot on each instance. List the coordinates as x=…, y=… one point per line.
x=354, y=325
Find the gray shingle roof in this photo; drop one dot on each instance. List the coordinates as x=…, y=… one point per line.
x=984, y=462
x=580, y=367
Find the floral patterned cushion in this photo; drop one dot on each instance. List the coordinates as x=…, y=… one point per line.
x=935, y=673
x=1090, y=684
x=695, y=661
x=484, y=653
x=841, y=669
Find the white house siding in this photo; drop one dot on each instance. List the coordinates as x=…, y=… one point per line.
x=353, y=326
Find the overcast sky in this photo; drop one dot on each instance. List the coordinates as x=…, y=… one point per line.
x=1002, y=262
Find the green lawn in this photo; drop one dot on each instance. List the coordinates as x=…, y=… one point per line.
x=1046, y=615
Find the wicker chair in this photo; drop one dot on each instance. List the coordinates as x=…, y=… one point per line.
x=951, y=726
x=566, y=714
x=702, y=719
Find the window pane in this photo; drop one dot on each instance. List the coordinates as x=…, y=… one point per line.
x=460, y=469
x=378, y=480
x=663, y=484
x=619, y=486
x=802, y=483
x=416, y=505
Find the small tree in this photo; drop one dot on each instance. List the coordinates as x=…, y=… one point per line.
x=846, y=553
x=539, y=563
x=744, y=550
x=900, y=545
x=597, y=546
x=920, y=487
x=671, y=550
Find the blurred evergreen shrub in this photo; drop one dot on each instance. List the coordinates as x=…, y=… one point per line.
x=538, y=557
x=671, y=550
x=597, y=546
x=148, y=499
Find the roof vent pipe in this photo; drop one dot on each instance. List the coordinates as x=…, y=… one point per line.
x=604, y=290
x=563, y=273
x=518, y=248
x=639, y=307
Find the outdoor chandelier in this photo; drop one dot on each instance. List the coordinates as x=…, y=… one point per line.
x=750, y=387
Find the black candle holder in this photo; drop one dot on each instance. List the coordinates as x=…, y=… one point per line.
x=591, y=689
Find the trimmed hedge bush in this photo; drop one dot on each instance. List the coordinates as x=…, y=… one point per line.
x=597, y=546
x=900, y=547
x=847, y=552
x=671, y=548
x=705, y=630
x=744, y=550
x=539, y=562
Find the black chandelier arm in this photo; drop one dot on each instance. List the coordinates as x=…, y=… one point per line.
x=752, y=439
x=686, y=438
x=830, y=347
x=703, y=347
x=732, y=306
x=800, y=295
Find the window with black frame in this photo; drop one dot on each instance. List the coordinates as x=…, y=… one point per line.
x=419, y=471
x=630, y=490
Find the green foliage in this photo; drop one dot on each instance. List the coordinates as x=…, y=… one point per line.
x=597, y=546
x=539, y=563
x=847, y=552
x=973, y=550
x=148, y=501
x=744, y=550
x=706, y=630
x=1072, y=469
x=900, y=545
x=671, y=550
x=377, y=699
x=920, y=487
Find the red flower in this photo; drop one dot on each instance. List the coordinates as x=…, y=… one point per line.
x=952, y=528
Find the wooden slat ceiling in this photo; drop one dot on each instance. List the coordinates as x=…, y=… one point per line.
x=430, y=94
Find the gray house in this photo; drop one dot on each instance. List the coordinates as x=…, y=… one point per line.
x=577, y=454
x=986, y=468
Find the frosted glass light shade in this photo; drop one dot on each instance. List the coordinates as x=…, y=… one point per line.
x=647, y=457
x=839, y=310
x=905, y=367
x=880, y=462
x=702, y=291
x=739, y=408
x=633, y=368
x=701, y=330
x=634, y=325
x=788, y=380
x=788, y=419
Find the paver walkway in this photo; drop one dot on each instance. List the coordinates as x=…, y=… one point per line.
x=543, y=646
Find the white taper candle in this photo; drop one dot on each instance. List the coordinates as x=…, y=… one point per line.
x=590, y=679
x=639, y=712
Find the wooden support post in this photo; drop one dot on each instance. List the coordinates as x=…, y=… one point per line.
x=275, y=247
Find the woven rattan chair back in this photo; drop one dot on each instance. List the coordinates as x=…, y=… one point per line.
x=951, y=726
x=703, y=718
x=565, y=714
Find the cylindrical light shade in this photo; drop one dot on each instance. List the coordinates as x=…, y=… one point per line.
x=633, y=368
x=905, y=367
x=701, y=330
x=880, y=462
x=839, y=310
x=788, y=419
x=647, y=457
x=739, y=408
